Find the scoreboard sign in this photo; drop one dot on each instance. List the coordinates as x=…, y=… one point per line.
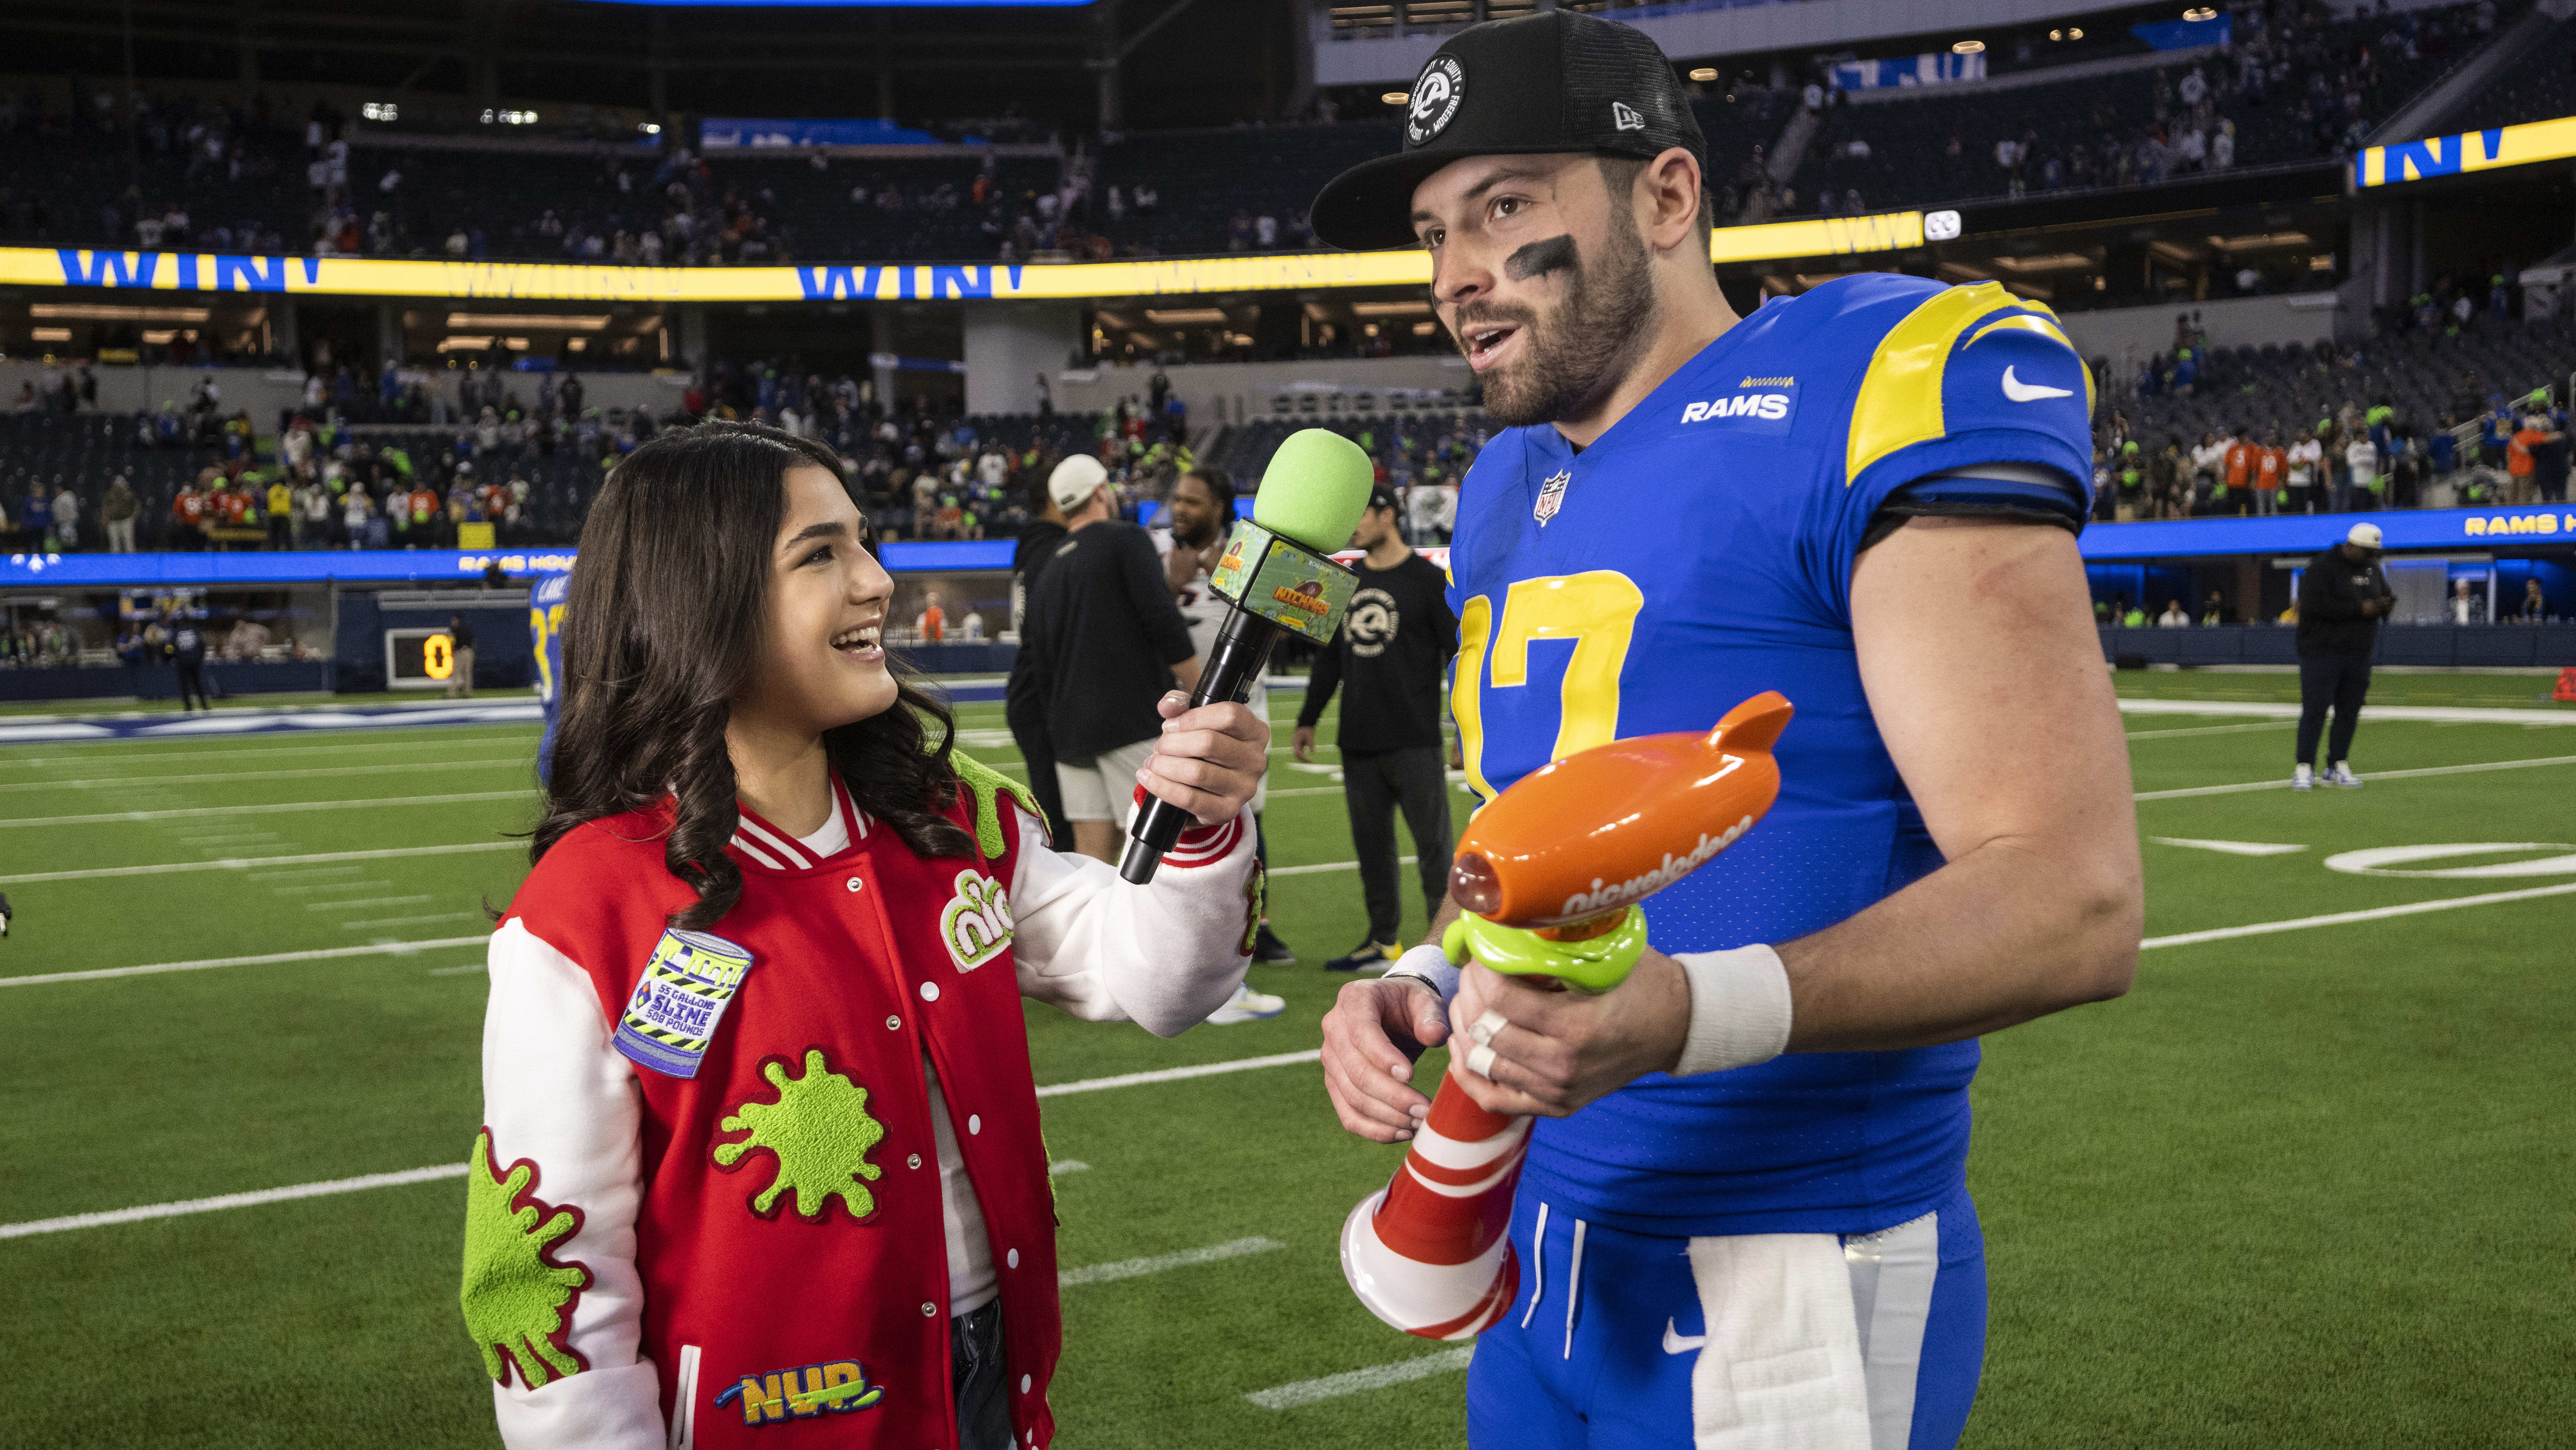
x=419, y=659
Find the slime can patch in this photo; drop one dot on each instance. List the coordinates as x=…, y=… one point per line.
x=689, y=981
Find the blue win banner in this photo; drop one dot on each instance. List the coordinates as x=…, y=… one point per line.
x=390, y=566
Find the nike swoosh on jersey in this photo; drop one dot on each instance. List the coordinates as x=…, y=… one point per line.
x=1681, y=1343
x=2021, y=392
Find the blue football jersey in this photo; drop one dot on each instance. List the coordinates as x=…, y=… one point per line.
x=1696, y=554
x=545, y=635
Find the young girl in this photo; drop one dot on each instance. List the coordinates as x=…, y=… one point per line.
x=760, y=1161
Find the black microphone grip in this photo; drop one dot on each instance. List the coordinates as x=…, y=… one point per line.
x=1242, y=652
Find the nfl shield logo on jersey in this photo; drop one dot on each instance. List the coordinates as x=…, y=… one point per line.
x=1551, y=496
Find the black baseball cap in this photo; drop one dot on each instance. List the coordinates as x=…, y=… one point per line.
x=1381, y=497
x=1559, y=80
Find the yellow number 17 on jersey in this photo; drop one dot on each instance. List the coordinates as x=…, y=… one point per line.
x=1596, y=609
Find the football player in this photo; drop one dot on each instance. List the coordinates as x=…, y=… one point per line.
x=1744, y=1218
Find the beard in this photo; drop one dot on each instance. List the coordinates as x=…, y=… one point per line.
x=1578, y=352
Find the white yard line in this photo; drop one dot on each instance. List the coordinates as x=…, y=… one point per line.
x=1352, y=1382
x=430, y=1174
x=2213, y=730
x=2269, y=710
x=2340, y=918
x=1176, y=1074
x=370, y=901
x=377, y=949
x=297, y=747
x=123, y=782
x=1276, y=871
x=1135, y=1268
x=250, y=863
x=411, y=920
x=2373, y=776
x=111, y=817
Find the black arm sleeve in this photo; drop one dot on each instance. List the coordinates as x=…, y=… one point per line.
x=1320, y=686
x=2004, y=493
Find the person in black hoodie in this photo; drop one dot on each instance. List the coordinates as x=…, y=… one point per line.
x=1024, y=702
x=2342, y=597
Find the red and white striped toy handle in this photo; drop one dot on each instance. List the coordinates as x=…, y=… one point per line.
x=1431, y=1254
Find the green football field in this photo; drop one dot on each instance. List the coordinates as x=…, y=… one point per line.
x=2307, y=1185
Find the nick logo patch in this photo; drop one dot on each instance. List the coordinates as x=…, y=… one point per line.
x=1760, y=405
x=802, y=1393
x=687, y=984
x=1551, y=496
x=977, y=923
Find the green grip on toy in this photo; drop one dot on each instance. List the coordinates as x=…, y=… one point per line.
x=1594, y=965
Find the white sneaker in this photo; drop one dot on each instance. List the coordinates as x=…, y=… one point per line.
x=2342, y=775
x=1247, y=1005
x=2304, y=777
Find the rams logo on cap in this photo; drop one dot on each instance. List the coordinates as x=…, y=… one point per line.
x=1436, y=95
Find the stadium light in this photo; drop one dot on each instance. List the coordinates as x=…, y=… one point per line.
x=1968, y=47
x=2199, y=13
x=1396, y=98
x=650, y=128
x=500, y=320
x=380, y=111
x=1704, y=73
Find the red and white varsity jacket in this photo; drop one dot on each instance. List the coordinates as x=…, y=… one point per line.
x=704, y=1209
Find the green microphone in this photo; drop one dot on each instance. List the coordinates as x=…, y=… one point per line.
x=1278, y=573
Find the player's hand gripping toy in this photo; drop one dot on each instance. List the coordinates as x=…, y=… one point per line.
x=1550, y=874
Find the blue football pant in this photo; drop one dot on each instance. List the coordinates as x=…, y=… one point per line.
x=1598, y=1349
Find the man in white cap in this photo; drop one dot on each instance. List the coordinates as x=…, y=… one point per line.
x=1103, y=640
x=2342, y=598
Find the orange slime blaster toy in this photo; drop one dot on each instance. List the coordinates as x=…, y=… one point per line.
x=1550, y=874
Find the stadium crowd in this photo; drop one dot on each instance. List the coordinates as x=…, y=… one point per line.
x=2452, y=404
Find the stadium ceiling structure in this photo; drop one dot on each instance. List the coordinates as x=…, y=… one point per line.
x=474, y=47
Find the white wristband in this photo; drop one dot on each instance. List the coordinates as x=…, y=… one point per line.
x=1428, y=965
x=1739, y=1012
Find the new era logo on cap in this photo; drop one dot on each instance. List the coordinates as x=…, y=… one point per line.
x=1624, y=117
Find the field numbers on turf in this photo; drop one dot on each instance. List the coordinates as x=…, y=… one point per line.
x=2390, y=861
x=1597, y=610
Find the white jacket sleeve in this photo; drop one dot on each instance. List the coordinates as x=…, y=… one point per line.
x=557, y=1094
x=1163, y=956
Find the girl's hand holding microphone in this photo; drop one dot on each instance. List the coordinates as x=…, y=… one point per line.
x=1209, y=760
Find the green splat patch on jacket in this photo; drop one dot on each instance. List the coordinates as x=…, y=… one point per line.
x=988, y=787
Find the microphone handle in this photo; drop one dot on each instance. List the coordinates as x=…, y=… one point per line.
x=1234, y=666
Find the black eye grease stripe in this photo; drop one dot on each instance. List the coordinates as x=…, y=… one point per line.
x=1553, y=254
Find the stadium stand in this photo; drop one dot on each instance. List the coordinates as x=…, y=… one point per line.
x=2434, y=379
x=2299, y=88
x=2539, y=86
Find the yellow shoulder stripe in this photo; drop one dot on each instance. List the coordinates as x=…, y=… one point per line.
x=1899, y=403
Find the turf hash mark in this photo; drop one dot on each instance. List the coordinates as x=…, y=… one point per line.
x=1352, y=1382
x=1158, y=1263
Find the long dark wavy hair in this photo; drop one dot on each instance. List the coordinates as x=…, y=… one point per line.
x=661, y=630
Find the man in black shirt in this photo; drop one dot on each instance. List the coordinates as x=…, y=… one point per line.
x=2342, y=597
x=1106, y=641
x=460, y=680
x=188, y=651
x=1023, y=708
x=1391, y=649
